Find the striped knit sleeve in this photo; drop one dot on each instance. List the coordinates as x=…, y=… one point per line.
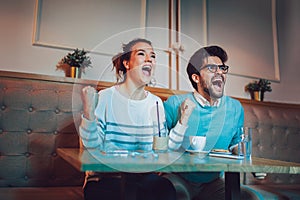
x=91, y=134
x=176, y=136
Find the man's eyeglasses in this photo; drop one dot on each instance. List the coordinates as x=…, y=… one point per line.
x=213, y=68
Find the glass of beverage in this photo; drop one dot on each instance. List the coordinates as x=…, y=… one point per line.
x=160, y=137
x=245, y=144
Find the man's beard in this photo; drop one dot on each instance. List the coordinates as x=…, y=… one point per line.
x=209, y=91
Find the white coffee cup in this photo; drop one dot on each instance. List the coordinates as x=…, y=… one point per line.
x=197, y=142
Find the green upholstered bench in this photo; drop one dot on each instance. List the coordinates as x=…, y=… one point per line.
x=276, y=135
x=40, y=113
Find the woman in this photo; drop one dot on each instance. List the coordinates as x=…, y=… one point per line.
x=123, y=118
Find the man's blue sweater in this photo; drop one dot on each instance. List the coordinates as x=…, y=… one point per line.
x=220, y=125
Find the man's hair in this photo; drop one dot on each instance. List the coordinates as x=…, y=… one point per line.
x=198, y=58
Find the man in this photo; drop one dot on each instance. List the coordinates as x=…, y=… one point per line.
x=204, y=112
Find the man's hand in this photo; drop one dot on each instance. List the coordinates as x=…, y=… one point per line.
x=89, y=102
x=235, y=150
x=186, y=110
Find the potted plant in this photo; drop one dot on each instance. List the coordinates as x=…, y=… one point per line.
x=258, y=88
x=73, y=64
x=265, y=86
x=253, y=89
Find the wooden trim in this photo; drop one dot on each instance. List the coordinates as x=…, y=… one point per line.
x=164, y=93
x=170, y=41
x=268, y=103
x=40, y=77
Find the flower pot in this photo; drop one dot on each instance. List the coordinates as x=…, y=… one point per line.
x=255, y=95
x=75, y=72
x=262, y=95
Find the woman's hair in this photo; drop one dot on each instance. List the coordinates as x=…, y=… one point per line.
x=198, y=58
x=125, y=55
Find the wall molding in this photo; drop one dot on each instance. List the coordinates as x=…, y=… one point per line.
x=36, y=41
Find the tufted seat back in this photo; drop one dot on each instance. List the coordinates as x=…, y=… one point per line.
x=36, y=118
x=39, y=114
x=276, y=135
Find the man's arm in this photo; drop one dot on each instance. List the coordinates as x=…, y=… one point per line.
x=177, y=127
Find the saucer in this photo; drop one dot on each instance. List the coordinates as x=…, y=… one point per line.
x=226, y=156
x=197, y=151
x=220, y=151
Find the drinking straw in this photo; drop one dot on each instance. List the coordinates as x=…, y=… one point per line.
x=158, y=123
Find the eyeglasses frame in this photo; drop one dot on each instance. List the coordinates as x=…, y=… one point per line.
x=208, y=66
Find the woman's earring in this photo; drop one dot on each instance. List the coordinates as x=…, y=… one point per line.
x=152, y=82
x=120, y=77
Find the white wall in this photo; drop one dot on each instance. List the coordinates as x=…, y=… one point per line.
x=18, y=53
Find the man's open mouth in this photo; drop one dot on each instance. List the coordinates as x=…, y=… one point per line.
x=218, y=82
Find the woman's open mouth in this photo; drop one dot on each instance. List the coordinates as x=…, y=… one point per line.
x=147, y=70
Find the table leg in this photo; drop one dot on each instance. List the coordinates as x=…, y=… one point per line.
x=123, y=182
x=232, y=186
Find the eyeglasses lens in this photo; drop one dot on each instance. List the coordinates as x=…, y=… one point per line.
x=214, y=68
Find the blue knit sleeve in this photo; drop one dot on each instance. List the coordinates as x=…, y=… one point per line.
x=171, y=106
x=239, y=118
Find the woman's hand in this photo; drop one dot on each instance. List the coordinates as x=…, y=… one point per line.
x=186, y=110
x=89, y=102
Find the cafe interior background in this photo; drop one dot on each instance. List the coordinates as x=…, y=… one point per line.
x=262, y=38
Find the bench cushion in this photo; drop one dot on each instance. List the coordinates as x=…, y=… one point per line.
x=276, y=134
x=268, y=191
x=36, y=118
x=43, y=193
